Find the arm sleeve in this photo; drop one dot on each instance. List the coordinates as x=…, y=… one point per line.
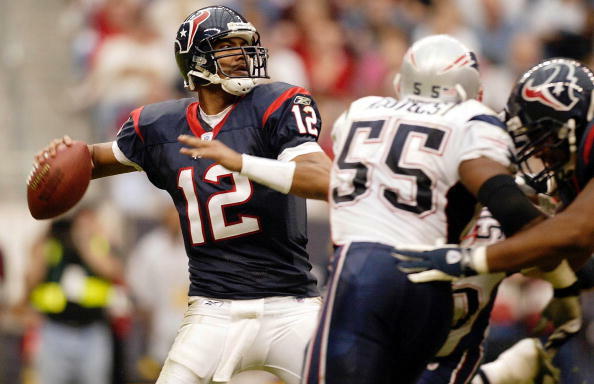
x=294, y=122
x=129, y=147
x=485, y=136
x=339, y=129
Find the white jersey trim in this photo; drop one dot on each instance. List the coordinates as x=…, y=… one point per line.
x=302, y=149
x=122, y=159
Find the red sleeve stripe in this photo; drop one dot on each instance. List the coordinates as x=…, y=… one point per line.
x=135, y=115
x=280, y=100
x=588, y=145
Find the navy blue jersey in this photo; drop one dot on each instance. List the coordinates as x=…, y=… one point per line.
x=243, y=240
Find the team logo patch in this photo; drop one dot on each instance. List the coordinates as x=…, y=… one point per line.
x=303, y=100
x=186, y=33
x=559, y=95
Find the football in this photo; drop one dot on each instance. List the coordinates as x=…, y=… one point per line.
x=58, y=183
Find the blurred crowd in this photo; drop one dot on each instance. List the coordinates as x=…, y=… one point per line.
x=130, y=249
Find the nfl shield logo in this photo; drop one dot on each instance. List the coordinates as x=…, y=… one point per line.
x=207, y=136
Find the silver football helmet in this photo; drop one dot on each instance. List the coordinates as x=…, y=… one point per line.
x=439, y=67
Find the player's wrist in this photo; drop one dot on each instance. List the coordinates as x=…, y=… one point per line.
x=561, y=277
x=275, y=174
x=476, y=261
x=571, y=291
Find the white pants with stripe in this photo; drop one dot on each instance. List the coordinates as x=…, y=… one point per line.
x=219, y=338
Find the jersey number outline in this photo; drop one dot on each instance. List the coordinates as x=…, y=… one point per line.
x=310, y=120
x=433, y=140
x=241, y=191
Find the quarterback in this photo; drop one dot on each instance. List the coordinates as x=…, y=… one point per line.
x=233, y=161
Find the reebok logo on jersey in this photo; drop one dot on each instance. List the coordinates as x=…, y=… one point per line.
x=303, y=100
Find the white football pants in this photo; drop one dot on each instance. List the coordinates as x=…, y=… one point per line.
x=219, y=338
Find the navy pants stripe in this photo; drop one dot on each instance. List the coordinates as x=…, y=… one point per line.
x=376, y=326
x=458, y=368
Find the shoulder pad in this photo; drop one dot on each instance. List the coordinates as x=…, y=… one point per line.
x=160, y=122
x=368, y=101
x=268, y=98
x=264, y=95
x=164, y=110
x=475, y=110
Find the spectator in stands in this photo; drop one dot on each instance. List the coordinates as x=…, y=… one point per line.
x=159, y=258
x=69, y=278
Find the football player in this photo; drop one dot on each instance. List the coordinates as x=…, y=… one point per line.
x=458, y=360
x=395, y=162
x=253, y=299
x=550, y=116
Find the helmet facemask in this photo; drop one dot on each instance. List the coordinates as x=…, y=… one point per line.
x=208, y=68
x=546, y=115
x=546, y=152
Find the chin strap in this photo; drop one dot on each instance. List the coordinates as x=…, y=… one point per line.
x=234, y=86
x=461, y=92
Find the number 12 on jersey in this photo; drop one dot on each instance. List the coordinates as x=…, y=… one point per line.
x=221, y=227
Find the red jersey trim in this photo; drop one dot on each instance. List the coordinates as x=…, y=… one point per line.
x=135, y=115
x=194, y=123
x=280, y=100
x=588, y=145
x=192, y=118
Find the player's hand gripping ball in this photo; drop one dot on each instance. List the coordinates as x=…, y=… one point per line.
x=59, y=179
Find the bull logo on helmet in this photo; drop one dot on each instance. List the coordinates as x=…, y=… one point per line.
x=555, y=93
x=187, y=31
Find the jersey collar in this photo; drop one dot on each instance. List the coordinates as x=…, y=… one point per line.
x=195, y=125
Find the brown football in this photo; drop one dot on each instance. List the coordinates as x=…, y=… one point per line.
x=57, y=184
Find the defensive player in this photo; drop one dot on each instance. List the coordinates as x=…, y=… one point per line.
x=458, y=359
x=253, y=301
x=550, y=116
x=395, y=162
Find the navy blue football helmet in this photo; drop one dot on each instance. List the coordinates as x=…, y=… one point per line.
x=546, y=115
x=195, y=54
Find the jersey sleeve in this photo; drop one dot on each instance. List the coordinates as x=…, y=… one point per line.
x=339, y=131
x=485, y=136
x=291, y=121
x=342, y=125
x=129, y=147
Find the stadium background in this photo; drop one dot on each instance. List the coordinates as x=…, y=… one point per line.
x=78, y=67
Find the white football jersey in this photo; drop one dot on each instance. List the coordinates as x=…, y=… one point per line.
x=396, y=160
